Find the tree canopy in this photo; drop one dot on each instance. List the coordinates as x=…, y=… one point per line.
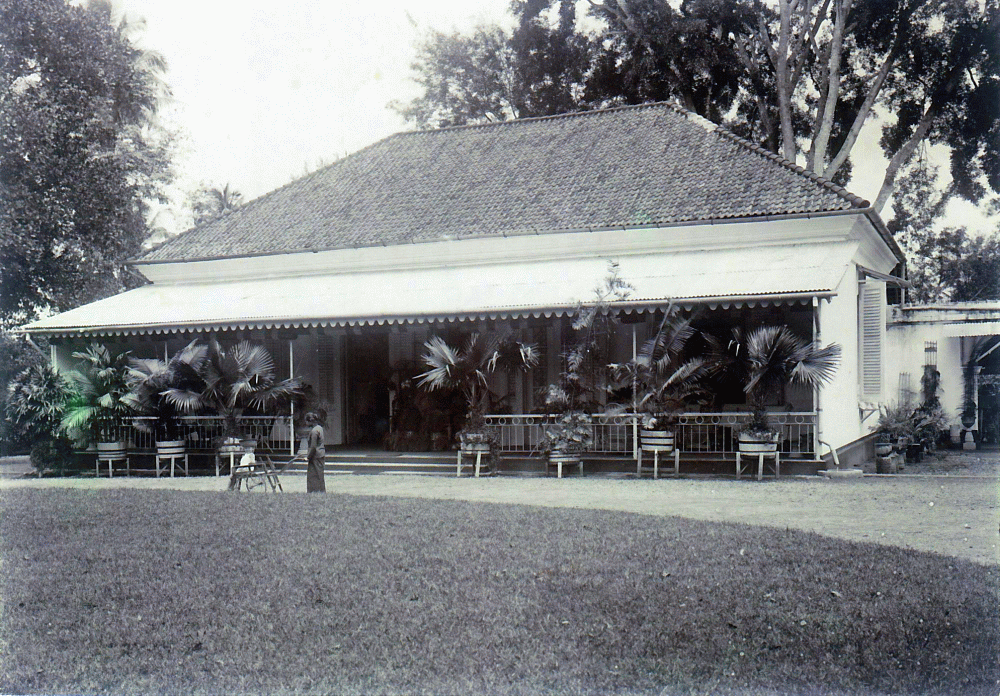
x=81, y=154
x=799, y=77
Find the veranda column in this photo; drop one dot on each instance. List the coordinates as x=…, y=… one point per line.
x=635, y=408
x=291, y=409
x=815, y=396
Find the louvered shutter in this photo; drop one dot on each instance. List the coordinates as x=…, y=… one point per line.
x=872, y=333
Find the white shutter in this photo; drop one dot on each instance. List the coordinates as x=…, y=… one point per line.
x=872, y=335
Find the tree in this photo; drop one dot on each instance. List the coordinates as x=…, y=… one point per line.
x=211, y=202
x=800, y=77
x=539, y=69
x=946, y=264
x=81, y=153
x=17, y=358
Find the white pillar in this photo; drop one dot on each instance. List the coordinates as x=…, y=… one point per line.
x=816, y=392
x=635, y=420
x=291, y=409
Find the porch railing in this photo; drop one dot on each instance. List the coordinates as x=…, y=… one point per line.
x=708, y=433
x=202, y=432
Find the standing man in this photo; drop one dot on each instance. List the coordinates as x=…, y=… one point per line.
x=315, y=478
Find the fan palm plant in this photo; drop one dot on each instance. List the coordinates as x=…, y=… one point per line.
x=100, y=394
x=664, y=380
x=467, y=369
x=236, y=379
x=166, y=389
x=766, y=360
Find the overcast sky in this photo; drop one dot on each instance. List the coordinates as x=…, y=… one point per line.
x=263, y=91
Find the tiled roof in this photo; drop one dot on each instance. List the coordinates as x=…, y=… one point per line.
x=654, y=164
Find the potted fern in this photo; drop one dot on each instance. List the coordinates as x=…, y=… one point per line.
x=566, y=438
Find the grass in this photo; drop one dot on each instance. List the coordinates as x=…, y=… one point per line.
x=152, y=592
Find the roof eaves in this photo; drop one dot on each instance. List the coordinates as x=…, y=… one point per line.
x=805, y=215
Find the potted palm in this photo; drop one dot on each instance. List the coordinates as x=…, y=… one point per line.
x=240, y=379
x=99, y=399
x=764, y=362
x=166, y=390
x=467, y=370
x=663, y=380
x=894, y=432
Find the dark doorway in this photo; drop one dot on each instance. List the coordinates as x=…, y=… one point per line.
x=367, y=380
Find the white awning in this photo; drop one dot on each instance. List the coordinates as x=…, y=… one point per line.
x=720, y=277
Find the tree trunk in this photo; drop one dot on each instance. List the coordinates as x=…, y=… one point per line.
x=821, y=137
x=783, y=84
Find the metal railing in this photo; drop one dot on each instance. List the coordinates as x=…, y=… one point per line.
x=202, y=433
x=709, y=433
x=612, y=434
x=718, y=433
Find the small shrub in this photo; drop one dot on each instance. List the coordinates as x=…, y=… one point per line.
x=51, y=454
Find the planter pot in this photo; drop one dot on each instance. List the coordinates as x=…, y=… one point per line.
x=171, y=450
x=230, y=444
x=657, y=440
x=109, y=449
x=887, y=465
x=167, y=448
x=560, y=459
x=754, y=444
x=883, y=449
x=111, y=452
x=914, y=453
x=968, y=420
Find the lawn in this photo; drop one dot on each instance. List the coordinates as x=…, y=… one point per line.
x=150, y=592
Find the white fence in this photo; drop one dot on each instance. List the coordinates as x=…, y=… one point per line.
x=202, y=432
x=709, y=433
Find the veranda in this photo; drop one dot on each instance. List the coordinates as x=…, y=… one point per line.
x=366, y=378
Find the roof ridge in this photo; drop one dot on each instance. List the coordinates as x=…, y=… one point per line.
x=548, y=117
x=709, y=125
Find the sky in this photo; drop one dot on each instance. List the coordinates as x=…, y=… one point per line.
x=265, y=91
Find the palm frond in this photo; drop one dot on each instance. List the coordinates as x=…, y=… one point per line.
x=184, y=401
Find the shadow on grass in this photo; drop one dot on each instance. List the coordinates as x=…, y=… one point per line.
x=137, y=592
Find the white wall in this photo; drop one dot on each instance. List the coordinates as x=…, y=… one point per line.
x=840, y=416
x=905, y=349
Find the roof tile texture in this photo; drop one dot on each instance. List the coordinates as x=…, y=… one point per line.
x=630, y=166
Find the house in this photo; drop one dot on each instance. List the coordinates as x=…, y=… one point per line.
x=345, y=273
x=959, y=342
